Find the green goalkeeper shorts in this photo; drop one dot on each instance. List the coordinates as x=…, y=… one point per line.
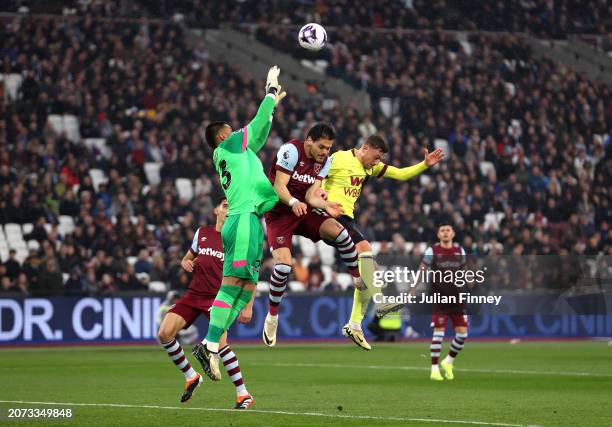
x=242, y=236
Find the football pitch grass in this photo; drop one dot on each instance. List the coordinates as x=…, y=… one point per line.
x=496, y=383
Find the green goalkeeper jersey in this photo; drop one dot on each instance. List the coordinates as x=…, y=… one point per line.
x=241, y=173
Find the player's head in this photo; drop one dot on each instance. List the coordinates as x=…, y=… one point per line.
x=221, y=210
x=373, y=150
x=446, y=232
x=216, y=133
x=319, y=141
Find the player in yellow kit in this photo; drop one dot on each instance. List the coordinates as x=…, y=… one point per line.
x=349, y=170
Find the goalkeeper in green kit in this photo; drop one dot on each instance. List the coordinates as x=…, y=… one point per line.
x=249, y=195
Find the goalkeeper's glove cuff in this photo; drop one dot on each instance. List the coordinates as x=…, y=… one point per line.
x=272, y=90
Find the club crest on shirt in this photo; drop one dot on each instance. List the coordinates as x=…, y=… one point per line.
x=280, y=240
x=317, y=167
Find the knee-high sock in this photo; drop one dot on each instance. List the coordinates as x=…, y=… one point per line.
x=436, y=346
x=177, y=355
x=278, y=285
x=230, y=361
x=361, y=299
x=456, y=346
x=228, y=303
x=346, y=247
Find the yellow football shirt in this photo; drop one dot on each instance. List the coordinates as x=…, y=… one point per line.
x=346, y=177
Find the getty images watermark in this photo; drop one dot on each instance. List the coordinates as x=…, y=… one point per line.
x=439, y=279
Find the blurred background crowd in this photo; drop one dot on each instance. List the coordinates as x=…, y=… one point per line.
x=528, y=170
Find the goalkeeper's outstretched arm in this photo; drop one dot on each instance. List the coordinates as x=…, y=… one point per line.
x=259, y=128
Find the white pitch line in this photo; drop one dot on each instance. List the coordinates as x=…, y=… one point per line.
x=262, y=411
x=423, y=368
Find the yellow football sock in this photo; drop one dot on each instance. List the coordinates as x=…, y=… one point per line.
x=361, y=300
x=373, y=292
x=356, y=311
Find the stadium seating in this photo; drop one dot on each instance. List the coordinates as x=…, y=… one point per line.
x=327, y=273
x=184, y=187
x=307, y=247
x=66, y=225
x=296, y=286
x=98, y=177
x=547, y=19
x=157, y=286
x=326, y=253
x=98, y=146
x=152, y=172
x=27, y=228
x=344, y=280
x=263, y=286
x=57, y=123
x=153, y=155
x=12, y=83
x=71, y=127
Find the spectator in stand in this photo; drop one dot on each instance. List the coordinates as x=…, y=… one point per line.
x=74, y=284
x=12, y=267
x=300, y=271
x=315, y=275
x=545, y=19
x=23, y=284
x=6, y=284
x=333, y=285
x=50, y=280
x=127, y=280
x=143, y=265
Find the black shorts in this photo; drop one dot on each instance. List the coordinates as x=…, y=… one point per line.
x=349, y=223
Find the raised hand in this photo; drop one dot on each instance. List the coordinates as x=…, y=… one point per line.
x=433, y=157
x=300, y=208
x=279, y=95
x=272, y=80
x=334, y=209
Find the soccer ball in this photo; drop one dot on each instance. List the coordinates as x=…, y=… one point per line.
x=312, y=37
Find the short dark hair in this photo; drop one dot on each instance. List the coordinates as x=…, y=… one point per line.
x=322, y=130
x=220, y=200
x=445, y=222
x=212, y=130
x=377, y=142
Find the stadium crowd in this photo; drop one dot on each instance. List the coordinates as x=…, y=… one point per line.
x=544, y=140
x=544, y=18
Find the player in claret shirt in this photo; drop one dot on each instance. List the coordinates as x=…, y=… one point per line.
x=302, y=210
x=444, y=257
x=205, y=260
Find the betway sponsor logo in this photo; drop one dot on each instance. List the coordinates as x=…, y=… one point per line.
x=211, y=252
x=308, y=179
